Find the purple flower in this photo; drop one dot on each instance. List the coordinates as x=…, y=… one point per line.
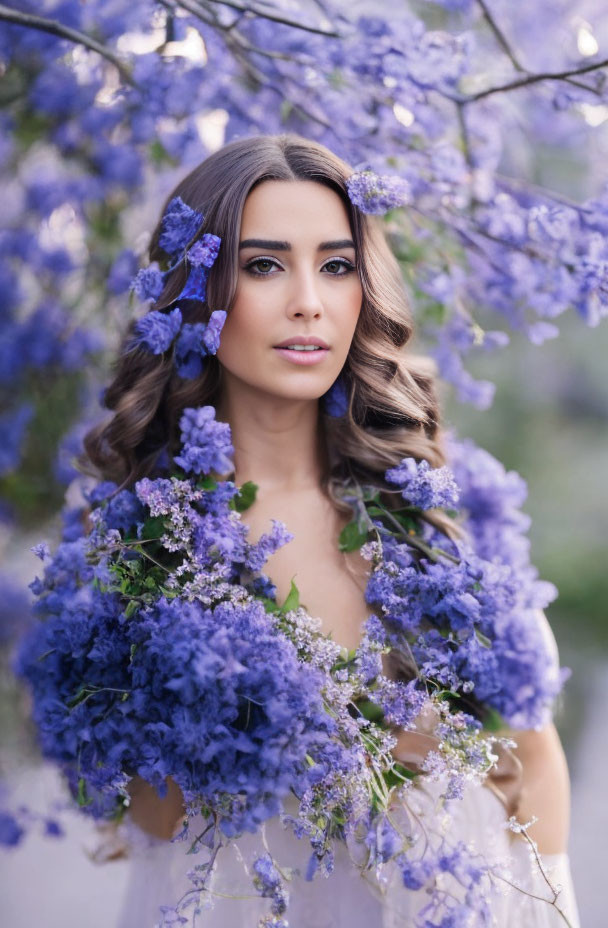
x=13, y=426
x=179, y=225
x=415, y=873
x=336, y=399
x=204, y=251
x=206, y=444
x=375, y=193
x=211, y=335
x=424, y=486
x=195, y=287
x=11, y=831
x=268, y=883
x=148, y=282
x=156, y=330
x=41, y=550
x=190, y=350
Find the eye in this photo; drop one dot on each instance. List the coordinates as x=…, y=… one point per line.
x=340, y=266
x=260, y=267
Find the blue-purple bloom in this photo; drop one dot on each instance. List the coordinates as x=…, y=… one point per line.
x=211, y=335
x=148, y=282
x=204, y=251
x=156, y=330
x=179, y=225
x=335, y=400
x=195, y=287
x=424, y=486
x=190, y=350
x=206, y=444
x=374, y=193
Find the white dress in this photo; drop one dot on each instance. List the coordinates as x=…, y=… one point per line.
x=348, y=899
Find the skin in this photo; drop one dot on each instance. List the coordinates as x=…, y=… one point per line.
x=270, y=403
x=272, y=408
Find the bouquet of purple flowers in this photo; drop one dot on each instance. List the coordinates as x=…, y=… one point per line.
x=158, y=641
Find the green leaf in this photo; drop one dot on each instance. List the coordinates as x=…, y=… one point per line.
x=206, y=483
x=132, y=607
x=46, y=654
x=483, y=639
x=492, y=721
x=80, y=695
x=293, y=599
x=245, y=497
x=286, y=108
x=370, y=710
x=393, y=777
x=134, y=648
x=351, y=537
x=153, y=527
x=82, y=798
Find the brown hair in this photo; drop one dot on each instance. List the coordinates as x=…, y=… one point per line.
x=393, y=409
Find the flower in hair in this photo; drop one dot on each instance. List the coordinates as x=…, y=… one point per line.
x=377, y=193
x=156, y=330
x=148, y=282
x=195, y=341
x=201, y=257
x=425, y=486
x=204, y=251
x=180, y=223
x=335, y=401
x=206, y=443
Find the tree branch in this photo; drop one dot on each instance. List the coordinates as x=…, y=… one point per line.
x=31, y=21
x=500, y=36
x=273, y=17
x=533, y=79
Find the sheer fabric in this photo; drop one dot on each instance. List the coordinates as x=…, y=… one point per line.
x=348, y=899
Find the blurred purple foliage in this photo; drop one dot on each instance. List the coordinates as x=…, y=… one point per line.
x=451, y=98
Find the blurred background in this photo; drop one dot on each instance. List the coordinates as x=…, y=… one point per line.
x=502, y=244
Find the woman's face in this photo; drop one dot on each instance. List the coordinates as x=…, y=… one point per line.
x=297, y=283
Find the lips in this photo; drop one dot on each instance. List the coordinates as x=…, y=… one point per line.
x=302, y=340
x=304, y=357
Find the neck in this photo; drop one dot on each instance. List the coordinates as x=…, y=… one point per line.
x=277, y=441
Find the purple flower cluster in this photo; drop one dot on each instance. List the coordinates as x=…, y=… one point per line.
x=374, y=193
x=157, y=331
x=471, y=618
x=268, y=882
x=175, y=687
x=524, y=253
x=424, y=486
x=180, y=690
x=206, y=443
x=179, y=226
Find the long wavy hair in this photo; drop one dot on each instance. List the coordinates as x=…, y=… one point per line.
x=393, y=409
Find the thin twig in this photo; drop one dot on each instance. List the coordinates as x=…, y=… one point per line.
x=31, y=21
x=272, y=17
x=500, y=36
x=530, y=79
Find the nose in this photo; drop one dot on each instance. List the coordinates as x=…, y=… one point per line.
x=305, y=299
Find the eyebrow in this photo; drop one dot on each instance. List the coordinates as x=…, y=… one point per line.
x=286, y=246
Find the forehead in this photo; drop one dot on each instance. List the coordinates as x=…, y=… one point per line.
x=292, y=209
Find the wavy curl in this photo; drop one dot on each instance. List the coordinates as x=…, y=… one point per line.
x=393, y=408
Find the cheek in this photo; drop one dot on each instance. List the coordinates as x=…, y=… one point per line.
x=243, y=331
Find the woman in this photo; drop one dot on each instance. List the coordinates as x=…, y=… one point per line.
x=314, y=299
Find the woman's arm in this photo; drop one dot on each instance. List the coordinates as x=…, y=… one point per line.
x=545, y=788
x=152, y=814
